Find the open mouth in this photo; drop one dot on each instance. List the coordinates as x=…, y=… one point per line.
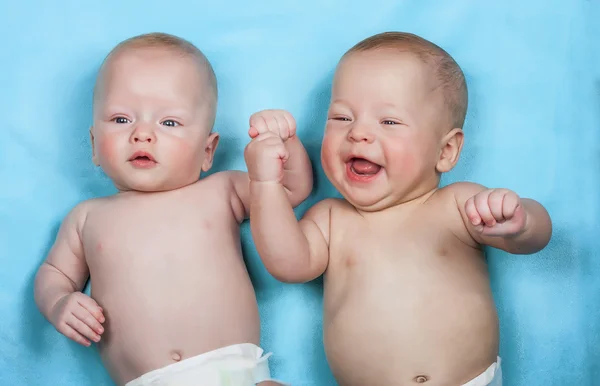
x=361, y=169
x=142, y=159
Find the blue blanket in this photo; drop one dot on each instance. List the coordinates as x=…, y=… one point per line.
x=533, y=70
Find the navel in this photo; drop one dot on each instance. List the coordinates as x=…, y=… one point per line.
x=421, y=379
x=176, y=355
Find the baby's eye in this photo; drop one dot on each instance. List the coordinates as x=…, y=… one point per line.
x=388, y=122
x=170, y=123
x=121, y=120
x=343, y=119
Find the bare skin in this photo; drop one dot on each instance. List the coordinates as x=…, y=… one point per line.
x=164, y=257
x=407, y=294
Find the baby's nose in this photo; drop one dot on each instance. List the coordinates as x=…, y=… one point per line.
x=361, y=133
x=143, y=134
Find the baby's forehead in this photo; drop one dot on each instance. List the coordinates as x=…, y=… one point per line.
x=124, y=61
x=392, y=58
x=132, y=58
x=392, y=64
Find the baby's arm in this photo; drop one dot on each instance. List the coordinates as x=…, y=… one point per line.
x=293, y=169
x=61, y=278
x=501, y=219
x=297, y=176
x=292, y=251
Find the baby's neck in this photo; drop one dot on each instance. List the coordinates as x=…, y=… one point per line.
x=404, y=205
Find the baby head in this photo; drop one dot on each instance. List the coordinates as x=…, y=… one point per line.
x=395, y=120
x=154, y=108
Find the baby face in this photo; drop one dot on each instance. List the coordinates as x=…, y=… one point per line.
x=382, y=139
x=152, y=120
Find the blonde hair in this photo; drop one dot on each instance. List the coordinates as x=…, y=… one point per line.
x=449, y=74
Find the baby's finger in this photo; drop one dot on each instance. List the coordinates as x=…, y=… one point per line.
x=252, y=132
x=274, y=145
x=283, y=153
x=259, y=123
x=483, y=208
x=93, y=308
x=70, y=333
x=266, y=136
x=82, y=328
x=495, y=200
x=510, y=204
x=471, y=212
x=86, y=317
x=272, y=124
x=284, y=131
x=291, y=122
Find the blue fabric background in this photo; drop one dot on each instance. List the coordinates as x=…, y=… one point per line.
x=533, y=71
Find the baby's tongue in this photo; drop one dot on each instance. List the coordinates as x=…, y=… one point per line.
x=362, y=166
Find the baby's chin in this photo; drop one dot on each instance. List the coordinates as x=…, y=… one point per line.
x=369, y=204
x=151, y=186
x=366, y=200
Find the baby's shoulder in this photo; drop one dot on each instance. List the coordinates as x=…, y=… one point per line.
x=324, y=210
x=96, y=204
x=451, y=208
x=86, y=206
x=77, y=216
x=458, y=193
x=330, y=204
x=225, y=180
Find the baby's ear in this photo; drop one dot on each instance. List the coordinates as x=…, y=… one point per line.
x=94, y=157
x=451, y=146
x=211, y=146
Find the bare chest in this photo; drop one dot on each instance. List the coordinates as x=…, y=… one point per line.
x=395, y=251
x=141, y=230
x=358, y=240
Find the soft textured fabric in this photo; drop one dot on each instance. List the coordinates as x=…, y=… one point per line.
x=237, y=365
x=492, y=376
x=533, y=125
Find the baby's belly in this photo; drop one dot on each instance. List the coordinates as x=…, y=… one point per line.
x=389, y=326
x=159, y=314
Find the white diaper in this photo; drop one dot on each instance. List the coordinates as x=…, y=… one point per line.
x=237, y=365
x=490, y=377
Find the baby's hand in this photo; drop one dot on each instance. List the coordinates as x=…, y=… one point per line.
x=265, y=156
x=496, y=212
x=279, y=122
x=77, y=316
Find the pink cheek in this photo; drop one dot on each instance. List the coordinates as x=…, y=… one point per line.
x=328, y=153
x=183, y=153
x=409, y=164
x=106, y=149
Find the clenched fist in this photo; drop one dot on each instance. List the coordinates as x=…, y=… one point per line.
x=279, y=122
x=496, y=212
x=266, y=153
x=265, y=156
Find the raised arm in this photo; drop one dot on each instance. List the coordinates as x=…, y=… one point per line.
x=291, y=251
x=61, y=278
x=501, y=219
x=296, y=174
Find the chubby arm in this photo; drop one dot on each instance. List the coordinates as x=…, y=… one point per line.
x=291, y=165
x=501, y=219
x=297, y=172
x=64, y=271
x=292, y=251
x=61, y=278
